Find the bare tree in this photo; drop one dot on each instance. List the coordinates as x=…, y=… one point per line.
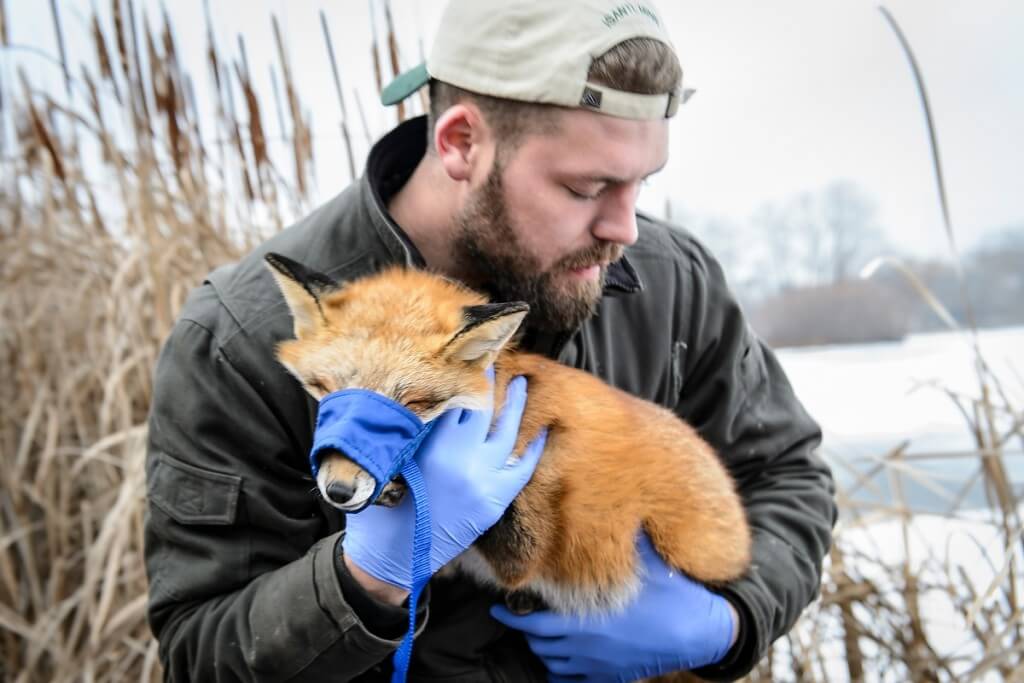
x=816, y=238
x=850, y=228
x=776, y=239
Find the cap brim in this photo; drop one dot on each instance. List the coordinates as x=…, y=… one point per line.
x=404, y=85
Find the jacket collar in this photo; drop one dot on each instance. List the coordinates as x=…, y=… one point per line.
x=391, y=163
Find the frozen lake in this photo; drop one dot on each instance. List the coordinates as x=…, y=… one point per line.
x=870, y=398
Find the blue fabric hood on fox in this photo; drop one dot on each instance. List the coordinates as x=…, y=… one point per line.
x=375, y=432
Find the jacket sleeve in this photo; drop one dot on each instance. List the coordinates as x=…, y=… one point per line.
x=737, y=396
x=243, y=570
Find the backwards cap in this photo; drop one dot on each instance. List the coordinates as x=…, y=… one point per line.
x=539, y=51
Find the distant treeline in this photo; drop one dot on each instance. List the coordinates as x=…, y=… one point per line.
x=887, y=307
x=796, y=267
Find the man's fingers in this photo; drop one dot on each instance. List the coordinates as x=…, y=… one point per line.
x=549, y=649
x=450, y=418
x=527, y=462
x=560, y=666
x=507, y=427
x=480, y=420
x=446, y=422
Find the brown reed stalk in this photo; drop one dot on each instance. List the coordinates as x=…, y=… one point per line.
x=396, y=67
x=277, y=101
x=133, y=35
x=165, y=98
x=257, y=140
x=43, y=135
x=845, y=599
x=301, y=141
x=59, y=33
x=103, y=57
x=5, y=39
x=119, y=36
x=374, y=49
x=236, y=138
x=341, y=97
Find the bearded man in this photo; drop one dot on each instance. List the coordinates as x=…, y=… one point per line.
x=545, y=119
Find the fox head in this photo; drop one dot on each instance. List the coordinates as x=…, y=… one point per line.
x=419, y=339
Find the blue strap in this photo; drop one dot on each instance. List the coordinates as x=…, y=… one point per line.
x=420, y=563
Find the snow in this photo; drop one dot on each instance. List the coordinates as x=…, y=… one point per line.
x=870, y=398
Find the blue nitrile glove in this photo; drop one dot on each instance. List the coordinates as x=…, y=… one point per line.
x=469, y=482
x=673, y=624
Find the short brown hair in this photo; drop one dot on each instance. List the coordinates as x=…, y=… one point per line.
x=638, y=65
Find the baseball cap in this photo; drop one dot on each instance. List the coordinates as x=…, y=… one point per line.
x=539, y=51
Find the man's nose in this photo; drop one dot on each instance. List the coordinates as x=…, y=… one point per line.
x=617, y=220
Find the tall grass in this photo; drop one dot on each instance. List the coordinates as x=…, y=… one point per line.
x=112, y=210
x=109, y=214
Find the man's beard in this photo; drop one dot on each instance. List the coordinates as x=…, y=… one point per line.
x=488, y=255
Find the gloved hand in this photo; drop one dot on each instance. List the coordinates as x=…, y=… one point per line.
x=469, y=482
x=673, y=624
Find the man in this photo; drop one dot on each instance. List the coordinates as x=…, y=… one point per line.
x=545, y=119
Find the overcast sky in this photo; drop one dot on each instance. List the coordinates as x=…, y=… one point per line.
x=792, y=95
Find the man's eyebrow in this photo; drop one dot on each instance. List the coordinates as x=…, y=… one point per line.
x=612, y=180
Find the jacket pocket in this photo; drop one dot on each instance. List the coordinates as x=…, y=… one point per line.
x=193, y=547
x=193, y=495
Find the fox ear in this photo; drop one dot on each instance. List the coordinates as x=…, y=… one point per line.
x=486, y=330
x=302, y=289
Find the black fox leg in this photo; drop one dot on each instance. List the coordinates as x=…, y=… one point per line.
x=524, y=602
x=509, y=547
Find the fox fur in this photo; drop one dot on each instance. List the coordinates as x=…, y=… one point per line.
x=613, y=463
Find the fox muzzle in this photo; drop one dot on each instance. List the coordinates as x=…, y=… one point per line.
x=373, y=431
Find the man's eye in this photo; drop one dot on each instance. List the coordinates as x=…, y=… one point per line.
x=581, y=195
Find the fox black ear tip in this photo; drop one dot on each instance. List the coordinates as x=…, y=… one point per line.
x=282, y=264
x=273, y=260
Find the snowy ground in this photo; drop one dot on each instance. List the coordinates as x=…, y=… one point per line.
x=871, y=398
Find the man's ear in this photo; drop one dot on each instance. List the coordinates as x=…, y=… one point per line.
x=456, y=132
x=487, y=328
x=302, y=289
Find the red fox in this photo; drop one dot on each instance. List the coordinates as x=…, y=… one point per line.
x=613, y=463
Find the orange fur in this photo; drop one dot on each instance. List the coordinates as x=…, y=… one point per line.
x=616, y=463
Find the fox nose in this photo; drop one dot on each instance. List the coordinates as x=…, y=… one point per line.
x=340, y=492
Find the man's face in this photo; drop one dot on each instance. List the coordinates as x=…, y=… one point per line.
x=555, y=211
